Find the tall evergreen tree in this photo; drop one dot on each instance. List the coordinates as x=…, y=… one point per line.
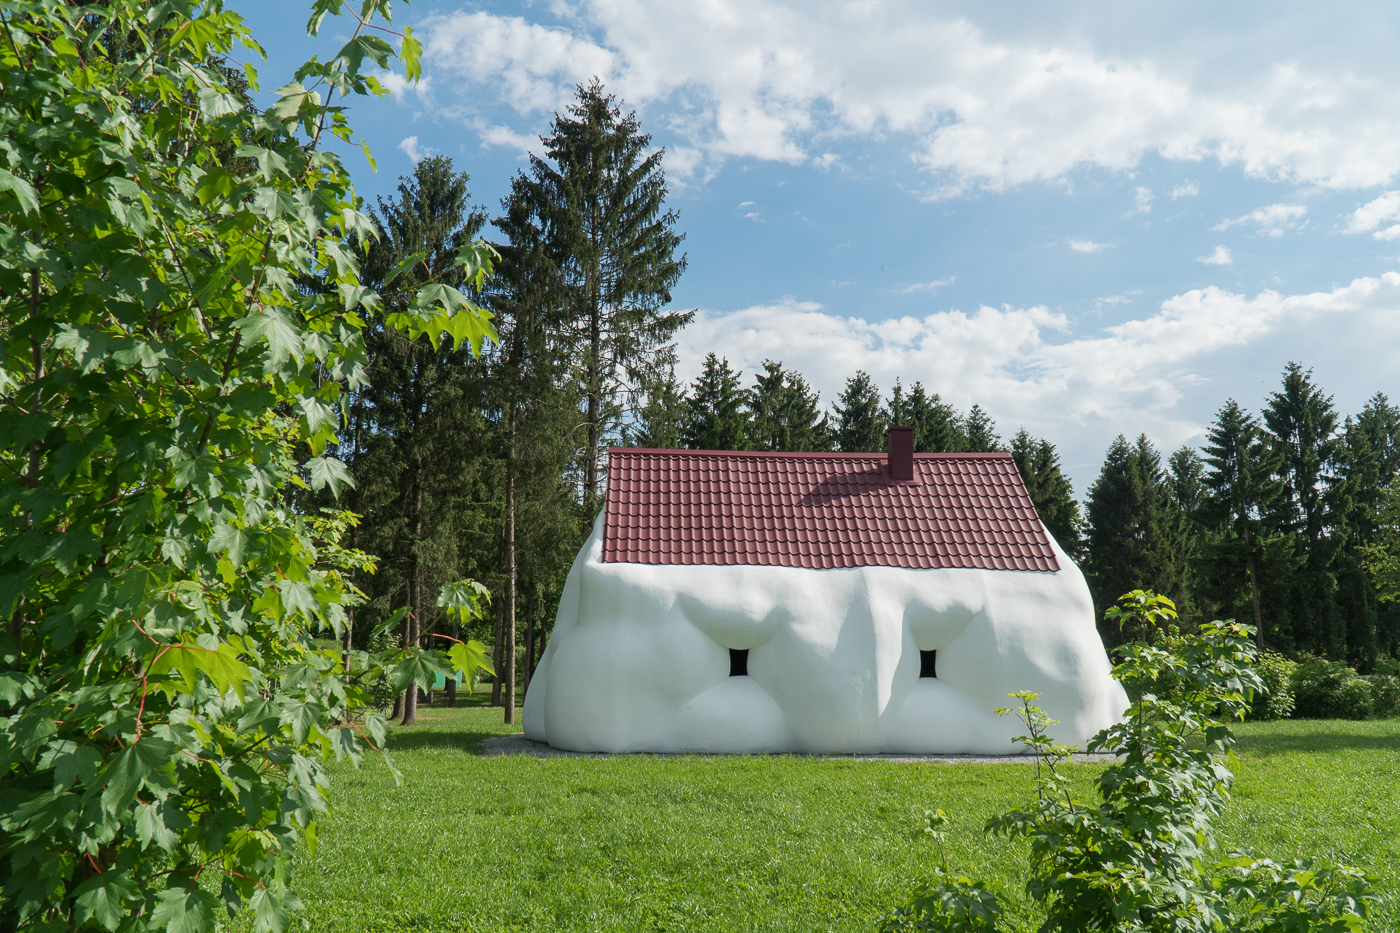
x=413, y=426
x=1301, y=429
x=860, y=421
x=937, y=427
x=786, y=412
x=1133, y=541
x=981, y=432
x=1186, y=490
x=597, y=206
x=1357, y=496
x=1241, y=492
x=531, y=405
x=716, y=410
x=1380, y=422
x=661, y=417
x=1049, y=489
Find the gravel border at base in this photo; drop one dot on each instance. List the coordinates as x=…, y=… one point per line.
x=517, y=744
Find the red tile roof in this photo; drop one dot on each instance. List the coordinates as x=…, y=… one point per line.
x=820, y=511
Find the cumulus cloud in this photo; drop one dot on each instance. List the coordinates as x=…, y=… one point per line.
x=399, y=85
x=1142, y=201
x=415, y=152
x=1086, y=246
x=1027, y=365
x=776, y=79
x=1187, y=189
x=1221, y=257
x=507, y=138
x=1272, y=221
x=1378, y=213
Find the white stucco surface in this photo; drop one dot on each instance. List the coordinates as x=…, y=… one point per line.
x=639, y=659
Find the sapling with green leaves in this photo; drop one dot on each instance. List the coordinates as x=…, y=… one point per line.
x=1139, y=857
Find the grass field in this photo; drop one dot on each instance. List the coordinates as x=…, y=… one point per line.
x=783, y=843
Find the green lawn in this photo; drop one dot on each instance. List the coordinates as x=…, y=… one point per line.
x=515, y=843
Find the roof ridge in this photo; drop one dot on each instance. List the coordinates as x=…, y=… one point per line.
x=804, y=455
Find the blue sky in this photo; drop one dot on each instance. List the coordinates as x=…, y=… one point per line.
x=1089, y=218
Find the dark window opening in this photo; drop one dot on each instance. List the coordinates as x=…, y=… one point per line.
x=928, y=663
x=738, y=662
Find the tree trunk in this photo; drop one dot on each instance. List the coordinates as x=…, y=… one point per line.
x=541, y=609
x=496, y=659
x=415, y=596
x=451, y=691
x=590, y=473
x=397, y=711
x=529, y=641
x=510, y=575
x=348, y=641
x=1254, y=596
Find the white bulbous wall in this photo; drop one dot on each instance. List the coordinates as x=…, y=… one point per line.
x=639, y=660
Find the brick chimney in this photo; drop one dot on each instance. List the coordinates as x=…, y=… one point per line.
x=900, y=458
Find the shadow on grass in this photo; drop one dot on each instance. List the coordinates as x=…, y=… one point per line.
x=413, y=739
x=1319, y=739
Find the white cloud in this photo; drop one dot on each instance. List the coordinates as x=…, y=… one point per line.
x=1086, y=246
x=1079, y=391
x=531, y=67
x=1271, y=221
x=1121, y=299
x=1142, y=201
x=415, y=152
x=1377, y=213
x=507, y=138
x=773, y=80
x=1221, y=257
x=929, y=286
x=399, y=85
x=1187, y=189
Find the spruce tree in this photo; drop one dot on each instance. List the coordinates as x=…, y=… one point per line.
x=596, y=206
x=1134, y=537
x=532, y=406
x=1380, y=422
x=786, y=412
x=1301, y=429
x=860, y=421
x=1241, y=492
x=980, y=432
x=413, y=424
x=1049, y=489
x=937, y=427
x=716, y=411
x=1358, y=497
x=1186, y=491
x=660, y=418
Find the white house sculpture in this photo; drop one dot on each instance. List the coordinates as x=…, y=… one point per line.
x=861, y=603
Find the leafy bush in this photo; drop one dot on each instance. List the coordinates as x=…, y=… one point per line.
x=1324, y=689
x=1136, y=859
x=1385, y=695
x=1275, y=701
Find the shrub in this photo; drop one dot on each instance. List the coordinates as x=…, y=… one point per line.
x=1385, y=695
x=1324, y=689
x=1275, y=701
x=1136, y=859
